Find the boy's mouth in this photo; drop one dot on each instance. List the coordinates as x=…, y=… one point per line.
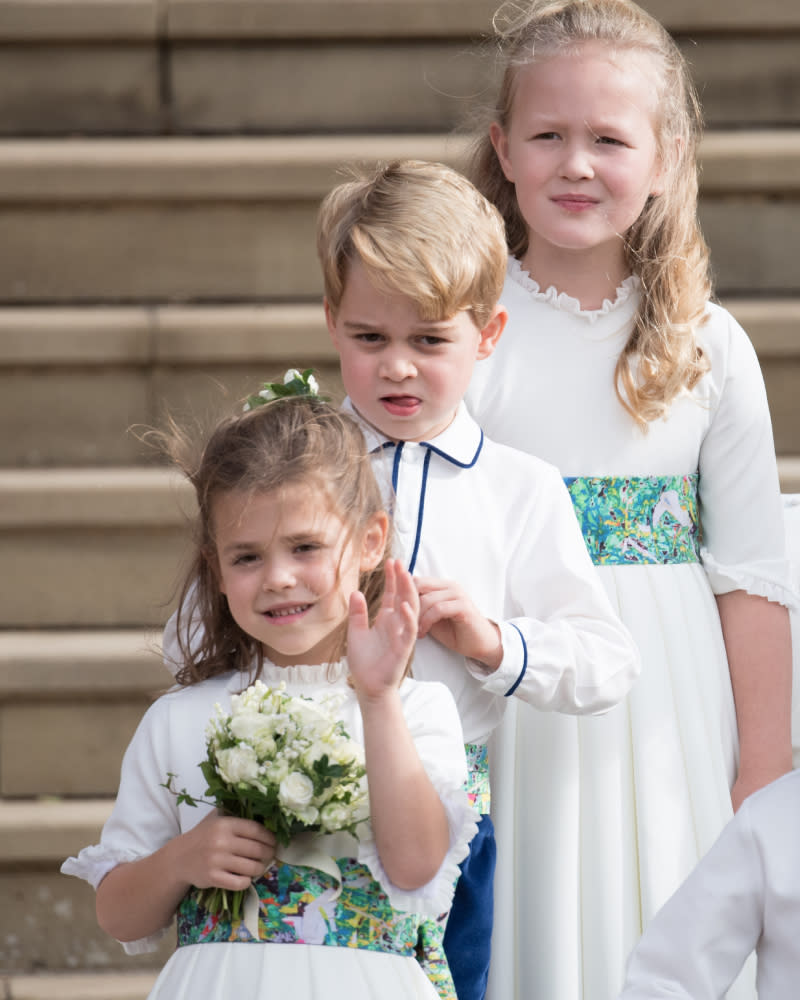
x=401, y=406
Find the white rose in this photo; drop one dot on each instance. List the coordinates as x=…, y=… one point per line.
x=290, y=375
x=315, y=751
x=296, y=791
x=255, y=729
x=310, y=718
x=309, y=815
x=335, y=816
x=275, y=771
x=237, y=764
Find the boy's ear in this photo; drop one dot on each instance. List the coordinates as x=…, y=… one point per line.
x=500, y=142
x=373, y=541
x=491, y=332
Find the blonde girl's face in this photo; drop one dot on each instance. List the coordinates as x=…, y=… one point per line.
x=287, y=569
x=580, y=148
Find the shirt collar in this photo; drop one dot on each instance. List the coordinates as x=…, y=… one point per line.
x=460, y=443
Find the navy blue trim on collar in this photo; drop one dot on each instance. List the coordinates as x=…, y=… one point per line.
x=454, y=461
x=516, y=683
x=413, y=561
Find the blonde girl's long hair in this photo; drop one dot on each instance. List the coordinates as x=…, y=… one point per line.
x=287, y=442
x=664, y=247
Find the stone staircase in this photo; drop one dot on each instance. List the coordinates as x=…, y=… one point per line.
x=161, y=162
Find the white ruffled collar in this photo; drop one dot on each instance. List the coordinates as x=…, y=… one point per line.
x=560, y=300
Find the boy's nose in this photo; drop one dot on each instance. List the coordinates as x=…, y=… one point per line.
x=397, y=367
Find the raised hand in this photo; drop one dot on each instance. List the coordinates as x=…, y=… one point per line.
x=378, y=656
x=448, y=615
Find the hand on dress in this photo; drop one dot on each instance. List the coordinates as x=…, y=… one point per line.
x=448, y=615
x=224, y=852
x=378, y=656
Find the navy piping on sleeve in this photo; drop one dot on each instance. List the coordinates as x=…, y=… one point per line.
x=516, y=683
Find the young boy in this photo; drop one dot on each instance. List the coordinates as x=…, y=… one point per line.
x=414, y=260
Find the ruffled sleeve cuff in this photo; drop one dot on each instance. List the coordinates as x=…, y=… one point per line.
x=93, y=864
x=435, y=897
x=770, y=578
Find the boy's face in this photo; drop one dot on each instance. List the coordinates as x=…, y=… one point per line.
x=405, y=375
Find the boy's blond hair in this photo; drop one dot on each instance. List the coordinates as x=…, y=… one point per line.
x=419, y=229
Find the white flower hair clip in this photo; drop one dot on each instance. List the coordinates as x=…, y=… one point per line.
x=295, y=383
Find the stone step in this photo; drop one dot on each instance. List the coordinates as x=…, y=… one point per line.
x=83, y=692
x=47, y=922
x=106, y=548
x=91, y=548
x=139, y=66
x=62, y=366
x=79, y=986
x=151, y=220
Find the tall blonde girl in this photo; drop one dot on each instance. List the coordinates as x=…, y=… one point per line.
x=617, y=367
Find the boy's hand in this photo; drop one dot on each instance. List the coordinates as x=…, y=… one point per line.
x=378, y=656
x=450, y=617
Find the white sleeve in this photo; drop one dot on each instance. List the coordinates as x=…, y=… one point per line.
x=741, y=511
x=698, y=942
x=566, y=650
x=435, y=728
x=145, y=815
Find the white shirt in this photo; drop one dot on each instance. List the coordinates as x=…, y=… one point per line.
x=743, y=895
x=501, y=524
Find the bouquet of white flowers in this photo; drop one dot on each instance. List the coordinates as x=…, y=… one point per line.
x=286, y=762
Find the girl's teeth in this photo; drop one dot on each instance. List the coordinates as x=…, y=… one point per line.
x=287, y=611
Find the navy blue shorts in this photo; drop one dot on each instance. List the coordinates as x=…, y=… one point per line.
x=468, y=935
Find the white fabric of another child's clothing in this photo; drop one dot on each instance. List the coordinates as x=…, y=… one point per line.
x=744, y=895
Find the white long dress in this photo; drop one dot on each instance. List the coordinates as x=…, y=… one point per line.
x=171, y=739
x=600, y=819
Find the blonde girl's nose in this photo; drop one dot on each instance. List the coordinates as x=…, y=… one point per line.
x=576, y=162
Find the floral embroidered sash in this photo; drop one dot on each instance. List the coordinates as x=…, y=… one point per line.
x=300, y=905
x=477, y=784
x=638, y=520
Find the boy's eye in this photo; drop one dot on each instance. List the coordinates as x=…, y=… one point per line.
x=369, y=338
x=609, y=141
x=546, y=135
x=431, y=340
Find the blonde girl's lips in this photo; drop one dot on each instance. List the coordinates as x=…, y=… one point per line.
x=400, y=406
x=575, y=204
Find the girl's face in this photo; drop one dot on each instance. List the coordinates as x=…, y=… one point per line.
x=286, y=571
x=580, y=149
